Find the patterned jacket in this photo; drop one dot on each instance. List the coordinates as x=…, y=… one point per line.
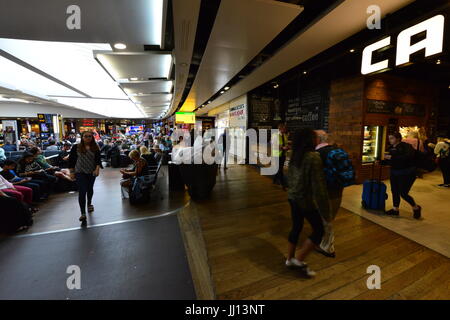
x=307, y=185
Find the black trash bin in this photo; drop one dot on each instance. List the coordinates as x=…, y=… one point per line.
x=176, y=182
x=199, y=178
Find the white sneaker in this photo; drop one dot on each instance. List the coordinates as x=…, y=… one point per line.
x=294, y=263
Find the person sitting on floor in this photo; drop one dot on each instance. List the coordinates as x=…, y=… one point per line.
x=56, y=171
x=9, y=174
x=140, y=168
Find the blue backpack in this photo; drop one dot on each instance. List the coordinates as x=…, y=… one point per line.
x=339, y=171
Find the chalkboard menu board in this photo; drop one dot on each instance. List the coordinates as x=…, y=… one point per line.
x=261, y=111
x=395, y=108
x=309, y=110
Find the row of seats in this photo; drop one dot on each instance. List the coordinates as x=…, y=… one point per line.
x=16, y=155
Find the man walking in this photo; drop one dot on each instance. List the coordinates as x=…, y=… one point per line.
x=279, y=152
x=224, y=141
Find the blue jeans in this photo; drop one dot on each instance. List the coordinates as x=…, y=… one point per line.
x=85, y=184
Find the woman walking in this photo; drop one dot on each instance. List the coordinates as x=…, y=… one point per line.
x=308, y=197
x=403, y=173
x=84, y=165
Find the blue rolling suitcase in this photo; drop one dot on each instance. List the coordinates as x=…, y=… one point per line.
x=374, y=194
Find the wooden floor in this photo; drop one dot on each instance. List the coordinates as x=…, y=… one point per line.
x=245, y=226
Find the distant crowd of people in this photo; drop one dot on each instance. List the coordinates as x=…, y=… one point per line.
x=30, y=179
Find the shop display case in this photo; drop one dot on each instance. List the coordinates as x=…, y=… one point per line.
x=372, y=143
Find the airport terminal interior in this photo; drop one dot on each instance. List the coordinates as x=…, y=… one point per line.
x=225, y=150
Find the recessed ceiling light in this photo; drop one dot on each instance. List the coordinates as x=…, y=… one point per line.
x=226, y=88
x=352, y=50
x=304, y=72
x=438, y=62
x=209, y=101
x=134, y=79
x=120, y=46
x=221, y=92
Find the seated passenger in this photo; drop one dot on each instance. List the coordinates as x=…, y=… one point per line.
x=13, y=207
x=9, y=147
x=9, y=174
x=56, y=171
x=106, y=147
x=21, y=193
x=2, y=155
x=151, y=161
x=52, y=146
x=64, y=156
x=140, y=169
x=28, y=167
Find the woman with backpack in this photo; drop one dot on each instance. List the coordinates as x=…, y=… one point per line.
x=442, y=152
x=308, y=198
x=401, y=158
x=84, y=164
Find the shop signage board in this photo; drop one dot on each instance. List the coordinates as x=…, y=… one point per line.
x=395, y=108
x=185, y=117
x=238, y=116
x=433, y=44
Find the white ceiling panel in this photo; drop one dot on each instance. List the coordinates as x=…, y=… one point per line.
x=16, y=77
x=333, y=28
x=241, y=30
x=71, y=63
x=135, y=21
x=141, y=65
x=153, y=99
x=108, y=107
x=146, y=87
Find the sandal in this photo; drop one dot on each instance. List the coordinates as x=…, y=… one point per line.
x=90, y=208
